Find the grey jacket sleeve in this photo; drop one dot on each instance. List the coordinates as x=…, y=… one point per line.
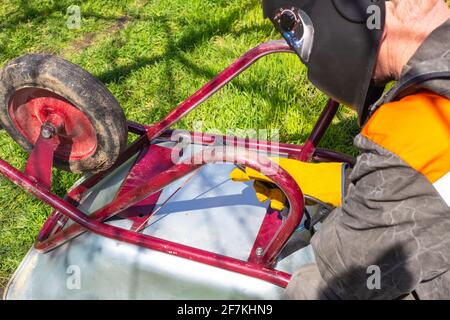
x=392, y=218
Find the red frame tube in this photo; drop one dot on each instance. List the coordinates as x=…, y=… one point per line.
x=290, y=150
x=74, y=195
x=215, y=84
x=127, y=199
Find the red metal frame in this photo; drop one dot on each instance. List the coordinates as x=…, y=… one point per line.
x=40, y=162
x=215, y=84
x=154, y=170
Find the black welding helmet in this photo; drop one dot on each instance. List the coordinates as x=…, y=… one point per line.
x=338, y=41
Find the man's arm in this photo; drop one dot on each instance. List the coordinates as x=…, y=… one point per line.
x=392, y=218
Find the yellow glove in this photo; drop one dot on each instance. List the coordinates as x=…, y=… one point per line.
x=323, y=181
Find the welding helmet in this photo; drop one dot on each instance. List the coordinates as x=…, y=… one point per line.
x=338, y=41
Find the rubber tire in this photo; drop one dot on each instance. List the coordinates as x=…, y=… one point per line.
x=80, y=88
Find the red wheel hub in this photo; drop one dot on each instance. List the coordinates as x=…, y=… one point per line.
x=30, y=108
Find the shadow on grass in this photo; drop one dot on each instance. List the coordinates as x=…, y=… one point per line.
x=190, y=41
x=174, y=52
x=27, y=13
x=200, y=33
x=36, y=13
x=339, y=136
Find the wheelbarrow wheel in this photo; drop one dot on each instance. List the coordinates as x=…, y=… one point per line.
x=35, y=88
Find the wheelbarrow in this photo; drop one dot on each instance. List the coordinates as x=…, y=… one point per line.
x=140, y=225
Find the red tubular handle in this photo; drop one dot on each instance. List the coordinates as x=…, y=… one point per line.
x=244, y=157
x=272, y=170
x=253, y=270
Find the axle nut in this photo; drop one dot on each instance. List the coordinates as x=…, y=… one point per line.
x=47, y=131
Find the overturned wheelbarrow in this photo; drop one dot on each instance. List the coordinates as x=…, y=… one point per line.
x=160, y=217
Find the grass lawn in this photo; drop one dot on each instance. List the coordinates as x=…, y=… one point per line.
x=152, y=55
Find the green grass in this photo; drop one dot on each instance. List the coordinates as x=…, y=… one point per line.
x=152, y=55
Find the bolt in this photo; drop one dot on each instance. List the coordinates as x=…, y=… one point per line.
x=47, y=132
x=259, y=251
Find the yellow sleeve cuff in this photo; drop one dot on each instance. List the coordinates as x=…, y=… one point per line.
x=323, y=181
